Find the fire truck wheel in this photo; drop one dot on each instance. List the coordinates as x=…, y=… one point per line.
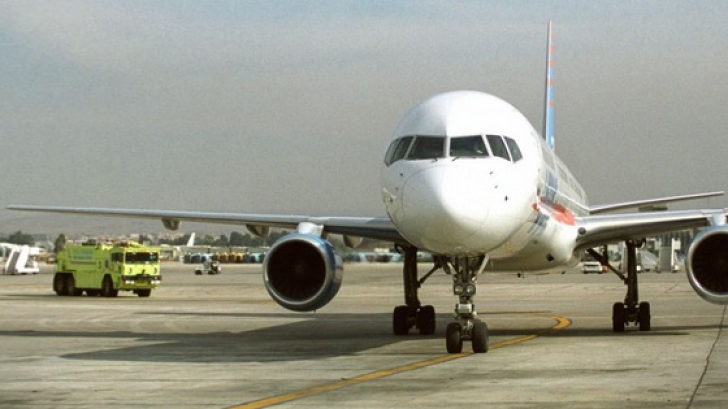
x=107, y=288
x=71, y=286
x=144, y=293
x=59, y=284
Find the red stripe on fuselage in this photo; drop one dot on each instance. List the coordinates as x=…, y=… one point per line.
x=557, y=212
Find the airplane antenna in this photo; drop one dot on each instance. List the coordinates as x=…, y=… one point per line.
x=548, y=112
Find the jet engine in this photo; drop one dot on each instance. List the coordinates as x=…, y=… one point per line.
x=707, y=264
x=302, y=272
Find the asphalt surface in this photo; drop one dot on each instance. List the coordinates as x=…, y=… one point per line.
x=220, y=342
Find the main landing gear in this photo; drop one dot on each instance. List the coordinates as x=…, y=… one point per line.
x=466, y=327
x=413, y=314
x=631, y=311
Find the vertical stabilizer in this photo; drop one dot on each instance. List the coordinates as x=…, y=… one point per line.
x=548, y=109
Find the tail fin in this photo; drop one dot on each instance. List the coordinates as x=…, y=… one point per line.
x=191, y=241
x=548, y=109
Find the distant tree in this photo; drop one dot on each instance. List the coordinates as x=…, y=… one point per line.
x=238, y=239
x=221, y=241
x=179, y=241
x=205, y=241
x=60, y=243
x=21, y=238
x=275, y=236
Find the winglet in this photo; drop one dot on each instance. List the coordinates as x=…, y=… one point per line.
x=548, y=111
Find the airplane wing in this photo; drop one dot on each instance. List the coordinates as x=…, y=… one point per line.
x=380, y=228
x=596, y=230
x=650, y=202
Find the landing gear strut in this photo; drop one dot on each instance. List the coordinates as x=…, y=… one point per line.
x=631, y=310
x=413, y=314
x=466, y=325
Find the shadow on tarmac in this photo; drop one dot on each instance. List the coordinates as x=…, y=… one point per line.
x=312, y=337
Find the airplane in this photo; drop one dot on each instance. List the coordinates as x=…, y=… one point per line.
x=467, y=178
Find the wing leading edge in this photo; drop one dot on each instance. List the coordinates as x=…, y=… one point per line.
x=598, y=228
x=379, y=228
x=602, y=229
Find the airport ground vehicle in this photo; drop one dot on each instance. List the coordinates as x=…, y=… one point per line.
x=591, y=267
x=106, y=269
x=208, y=266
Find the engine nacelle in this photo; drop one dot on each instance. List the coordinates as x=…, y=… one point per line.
x=707, y=264
x=302, y=272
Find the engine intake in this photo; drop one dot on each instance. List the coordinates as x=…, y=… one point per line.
x=707, y=264
x=302, y=272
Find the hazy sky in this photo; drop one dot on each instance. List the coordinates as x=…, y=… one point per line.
x=287, y=106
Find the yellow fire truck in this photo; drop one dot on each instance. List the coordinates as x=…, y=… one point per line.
x=106, y=269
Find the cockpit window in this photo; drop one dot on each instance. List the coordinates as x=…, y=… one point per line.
x=427, y=147
x=468, y=146
x=515, y=150
x=397, y=150
x=498, y=147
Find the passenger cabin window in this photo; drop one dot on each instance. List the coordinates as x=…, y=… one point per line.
x=498, y=147
x=397, y=150
x=515, y=150
x=427, y=147
x=468, y=146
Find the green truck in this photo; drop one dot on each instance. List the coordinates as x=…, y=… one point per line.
x=106, y=269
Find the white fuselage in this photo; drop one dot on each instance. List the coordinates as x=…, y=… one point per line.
x=466, y=174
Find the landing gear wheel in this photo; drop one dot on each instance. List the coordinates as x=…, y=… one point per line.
x=426, y=320
x=643, y=316
x=480, y=337
x=399, y=320
x=619, y=317
x=453, y=338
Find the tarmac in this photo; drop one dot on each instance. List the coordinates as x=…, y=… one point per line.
x=220, y=342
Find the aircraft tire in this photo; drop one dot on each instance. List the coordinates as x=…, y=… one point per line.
x=644, y=316
x=453, y=338
x=426, y=320
x=399, y=320
x=619, y=317
x=480, y=337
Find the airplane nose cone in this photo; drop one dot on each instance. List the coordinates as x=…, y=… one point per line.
x=445, y=206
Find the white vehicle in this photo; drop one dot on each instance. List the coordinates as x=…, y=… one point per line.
x=208, y=266
x=592, y=267
x=467, y=178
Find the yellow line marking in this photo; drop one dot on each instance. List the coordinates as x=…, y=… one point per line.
x=561, y=323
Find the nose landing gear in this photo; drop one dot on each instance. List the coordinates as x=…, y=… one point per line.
x=467, y=325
